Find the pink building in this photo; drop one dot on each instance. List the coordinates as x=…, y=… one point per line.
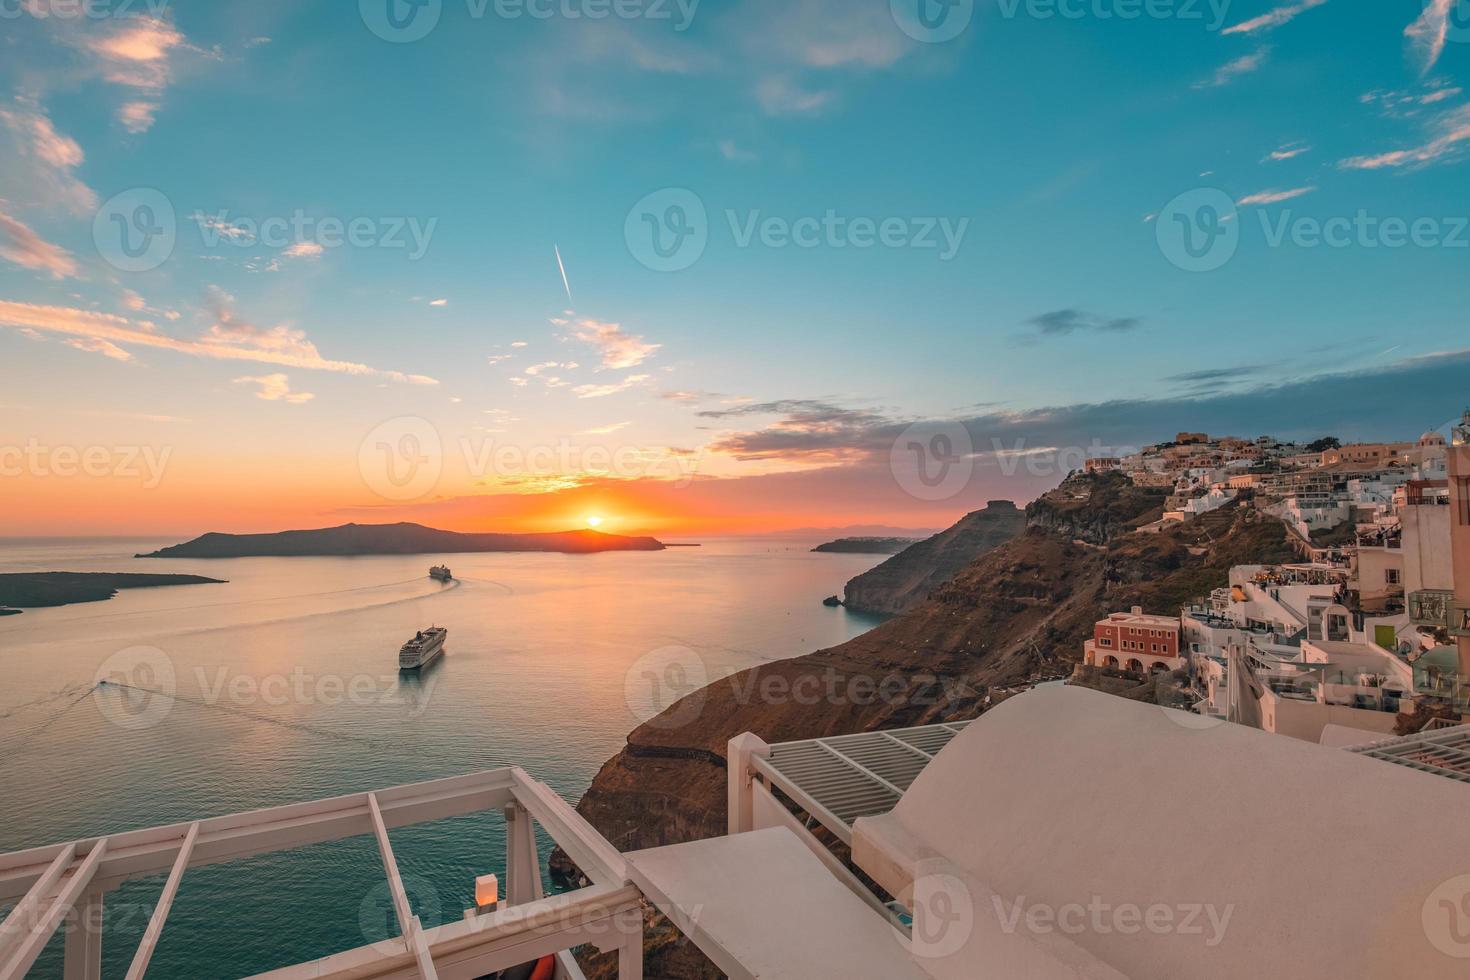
x=1136, y=642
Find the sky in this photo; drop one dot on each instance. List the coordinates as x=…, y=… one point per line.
x=730, y=266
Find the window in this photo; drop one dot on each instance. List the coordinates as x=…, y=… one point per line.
x=1106, y=641
x=1393, y=576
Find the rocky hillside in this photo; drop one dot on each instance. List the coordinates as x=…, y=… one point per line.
x=1017, y=614
x=907, y=579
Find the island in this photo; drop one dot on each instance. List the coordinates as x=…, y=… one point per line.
x=396, y=539
x=865, y=546
x=39, y=590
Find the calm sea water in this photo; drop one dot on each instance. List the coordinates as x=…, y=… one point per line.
x=285, y=688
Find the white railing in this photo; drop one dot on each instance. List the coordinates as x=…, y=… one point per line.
x=52, y=883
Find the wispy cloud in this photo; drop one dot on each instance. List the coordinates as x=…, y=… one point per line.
x=41, y=163
x=21, y=245
x=1234, y=69
x=1273, y=196
x=602, y=391
x=1452, y=131
x=1289, y=151
x=1427, y=35
x=1273, y=19
x=276, y=388
x=96, y=345
x=304, y=250
x=781, y=95
x=617, y=348
x=227, y=341
x=138, y=116
x=606, y=430
x=1059, y=323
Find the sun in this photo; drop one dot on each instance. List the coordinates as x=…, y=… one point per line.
x=594, y=522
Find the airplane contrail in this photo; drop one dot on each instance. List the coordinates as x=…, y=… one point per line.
x=563, y=267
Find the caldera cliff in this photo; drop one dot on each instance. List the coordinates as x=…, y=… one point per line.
x=1015, y=615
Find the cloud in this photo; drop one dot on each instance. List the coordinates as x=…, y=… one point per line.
x=137, y=117
x=606, y=430
x=810, y=431
x=780, y=95
x=1217, y=374
x=1059, y=323
x=1232, y=70
x=732, y=151
x=21, y=245
x=1289, y=151
x=277, y=388
x=304, y=250
x=1427, y=35
x=602, y=391
x=1273, y=19
x=41, y=163
x=1273, y=196
x=1399, y=104
x=618, y=348
x=231, y=341
x=499, y=358
x=1453, y=129
x=96, y=345
x=438, y=302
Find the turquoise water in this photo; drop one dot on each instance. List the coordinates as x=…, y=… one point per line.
x=285, y=688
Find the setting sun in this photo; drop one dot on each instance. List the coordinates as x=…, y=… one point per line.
x=594, y=522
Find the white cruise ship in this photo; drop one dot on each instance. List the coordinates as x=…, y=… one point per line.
x=441, y=573
x=423, y=649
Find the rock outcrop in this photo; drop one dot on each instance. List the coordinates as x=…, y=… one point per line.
x=907, y=579
x=395, y=539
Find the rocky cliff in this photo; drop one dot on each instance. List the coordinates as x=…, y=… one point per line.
x=907, y=579
x=1015, y=615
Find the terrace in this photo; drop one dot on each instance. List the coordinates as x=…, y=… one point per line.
x=897, y=854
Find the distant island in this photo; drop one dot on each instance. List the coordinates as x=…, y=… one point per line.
x=395, y=539
x=39, y=590
x=866, y=546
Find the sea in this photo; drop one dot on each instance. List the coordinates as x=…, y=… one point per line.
x=281, y=685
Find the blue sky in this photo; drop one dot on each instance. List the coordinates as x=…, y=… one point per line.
x=1055, y=143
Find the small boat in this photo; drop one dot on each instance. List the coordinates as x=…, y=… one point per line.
x=441, y=573
x=426, y=646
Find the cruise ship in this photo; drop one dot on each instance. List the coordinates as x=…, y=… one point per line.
x=441, y=573
x=423, y=649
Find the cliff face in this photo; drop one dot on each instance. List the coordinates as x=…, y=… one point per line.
x=1017, y=614
x=907, y=579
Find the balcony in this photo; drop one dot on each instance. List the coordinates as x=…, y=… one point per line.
x=54, y=884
